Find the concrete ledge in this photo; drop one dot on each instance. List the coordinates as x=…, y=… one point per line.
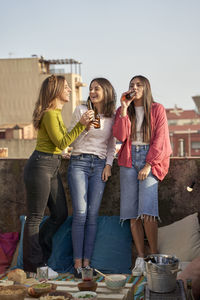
x=175, y=201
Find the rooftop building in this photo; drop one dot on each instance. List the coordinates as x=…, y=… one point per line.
x=184, y=129
x=20, y=81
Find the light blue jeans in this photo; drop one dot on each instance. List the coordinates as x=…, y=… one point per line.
x=86, y=189
x=138, y=197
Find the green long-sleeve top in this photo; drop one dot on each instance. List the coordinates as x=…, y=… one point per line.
x=53, y=136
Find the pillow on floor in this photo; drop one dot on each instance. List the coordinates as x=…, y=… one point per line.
x=181, y=238
x=113, y=246
x=8, y=244
x=112, y=251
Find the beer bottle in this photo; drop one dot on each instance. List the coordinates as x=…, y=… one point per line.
x=97, y=123
x=96, y=120
x=89, y=105
x=128, y=96
x=189, y=293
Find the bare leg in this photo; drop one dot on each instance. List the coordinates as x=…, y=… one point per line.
x=86, y=262
x=138, y=235
x=78, y=263
x=151, y=230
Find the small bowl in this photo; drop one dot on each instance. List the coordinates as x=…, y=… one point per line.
x=12, y=292
x=115, y=281
x=83, y=295
x=87, y=286
x=65, y=294
x=42, y=287
x=36, y=290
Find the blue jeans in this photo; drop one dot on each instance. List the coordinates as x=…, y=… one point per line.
x=138, y=197
x=43, y=188
x=86, y=189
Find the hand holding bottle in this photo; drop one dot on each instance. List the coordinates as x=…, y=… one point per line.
x=126, y=99
x=87, y=117
x=127, y=96
x=96, y=119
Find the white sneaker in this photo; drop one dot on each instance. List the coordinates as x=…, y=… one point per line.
x=52, y=274
x=139, y=268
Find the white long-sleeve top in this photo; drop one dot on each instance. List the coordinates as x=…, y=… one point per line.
x=99, y=141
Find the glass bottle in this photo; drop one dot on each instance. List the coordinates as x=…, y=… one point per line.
x=89, y=105
x=128, y=96
x=96, y=120
x=189, y=293
x=97, y=123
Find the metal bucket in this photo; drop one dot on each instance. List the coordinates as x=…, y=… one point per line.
x=161, y=272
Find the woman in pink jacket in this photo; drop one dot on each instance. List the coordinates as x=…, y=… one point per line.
x=141, y=125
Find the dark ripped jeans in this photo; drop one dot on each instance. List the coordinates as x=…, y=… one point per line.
x=44, y=188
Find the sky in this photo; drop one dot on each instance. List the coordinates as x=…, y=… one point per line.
x=115, y=39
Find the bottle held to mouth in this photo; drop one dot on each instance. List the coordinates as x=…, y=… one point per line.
x=129, y=96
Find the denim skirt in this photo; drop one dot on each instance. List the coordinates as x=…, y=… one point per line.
x=137, y=197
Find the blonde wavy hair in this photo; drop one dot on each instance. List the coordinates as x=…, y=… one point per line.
x=51, y=89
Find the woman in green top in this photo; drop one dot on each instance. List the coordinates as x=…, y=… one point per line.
x=42, y=180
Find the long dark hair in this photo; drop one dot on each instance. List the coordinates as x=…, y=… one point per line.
x=147, y=100
x=52, y=88
x=109, y=96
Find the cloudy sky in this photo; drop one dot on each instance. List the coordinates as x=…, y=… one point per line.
x=116, y=39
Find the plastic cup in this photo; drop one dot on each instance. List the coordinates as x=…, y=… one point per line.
x=87, y=274
x=42, y=273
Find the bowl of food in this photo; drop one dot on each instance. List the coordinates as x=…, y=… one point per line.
x=87, y=286
x=39, y=289
x=115, y=281
x=85, y=295
x=12, y=292
x=42, y=287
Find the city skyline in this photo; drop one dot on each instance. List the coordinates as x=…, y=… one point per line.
x=115, y=39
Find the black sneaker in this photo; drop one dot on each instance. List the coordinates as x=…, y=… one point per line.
x=78, y=273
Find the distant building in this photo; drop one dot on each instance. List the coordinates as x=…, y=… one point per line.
x=184, y=129
x=17, y=131
x=20, y=80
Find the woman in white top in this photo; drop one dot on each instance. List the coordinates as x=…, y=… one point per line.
x=89, y=169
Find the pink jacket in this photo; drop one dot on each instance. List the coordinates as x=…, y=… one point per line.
x=159, y=152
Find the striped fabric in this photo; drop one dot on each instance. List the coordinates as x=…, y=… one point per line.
x=138, y=282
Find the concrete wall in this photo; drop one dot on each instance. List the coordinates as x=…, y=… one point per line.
x=174, y=200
